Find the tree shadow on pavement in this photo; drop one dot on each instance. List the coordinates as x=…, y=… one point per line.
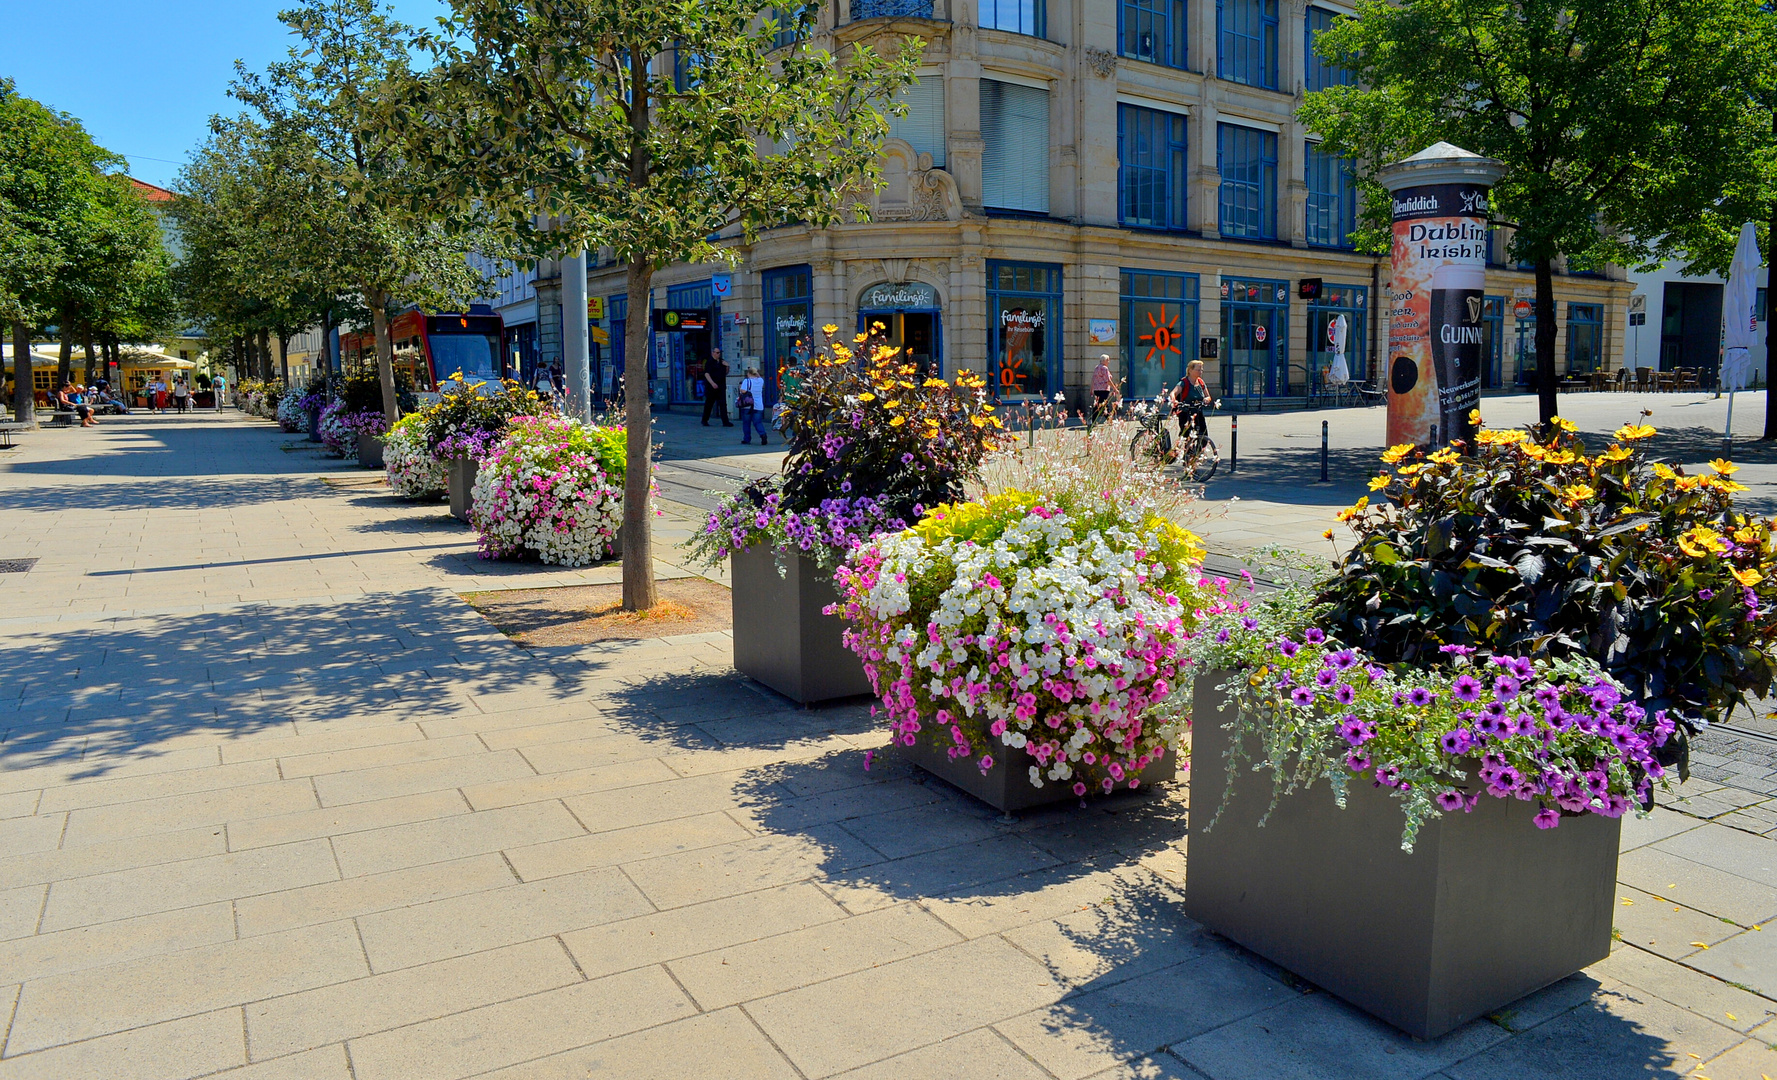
x=154, y=493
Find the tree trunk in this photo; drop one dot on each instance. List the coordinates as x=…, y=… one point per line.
x=284, y=354
x=1545, y=342
x=638, y=478
x=91, y=360
x=65, y=369
x=1770, y=309
x=24, y=408
x=385, y=352
x=265, y=368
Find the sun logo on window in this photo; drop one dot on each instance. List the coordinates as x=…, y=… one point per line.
x=1163, y=335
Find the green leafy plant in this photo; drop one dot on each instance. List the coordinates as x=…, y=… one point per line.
x=1530, y=546
x=470, y=417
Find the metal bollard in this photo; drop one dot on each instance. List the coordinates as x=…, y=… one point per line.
x=1434, y=436
x=1323, y=452
x=1233, y=443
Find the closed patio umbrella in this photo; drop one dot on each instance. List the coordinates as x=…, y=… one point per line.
x=1340, y=372
x=1739, y=320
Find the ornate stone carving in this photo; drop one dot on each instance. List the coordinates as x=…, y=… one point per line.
x=1103, y=62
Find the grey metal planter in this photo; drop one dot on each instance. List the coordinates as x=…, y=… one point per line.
x=1006, y=787
x=460, y=480
x=1487, y=909
x=370, y=451
x=781, y=636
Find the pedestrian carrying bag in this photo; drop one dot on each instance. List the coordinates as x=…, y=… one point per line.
x=745, y=400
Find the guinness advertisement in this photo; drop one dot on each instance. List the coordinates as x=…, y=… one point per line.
x=1436, y=298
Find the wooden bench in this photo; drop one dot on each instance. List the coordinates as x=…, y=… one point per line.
x=6, y=430
x=64, y=416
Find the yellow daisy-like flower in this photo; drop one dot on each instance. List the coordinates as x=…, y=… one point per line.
x=1732, y=487
x=1396, y=454
x=1328, y=534
x=1701, y=540
x=1748, y=577
x=1631, y=432
x=895, y=404
x=1746, y=536
x=1574, y=494
x=1380, y=482
x=1563, y=425
x=1446, y=457
x=830, y=329
x=1534, y=451
x=936, y=384
x=1474, y=417
x=859, y=339
x=1686, y=483
x=978, y=421
x=1723, y=467
x=1560, y=457
x=866, y=397
x=1664, y=471
x=897, y=421
x=1412, y=470
x=1615, y=453
x=1355, y=509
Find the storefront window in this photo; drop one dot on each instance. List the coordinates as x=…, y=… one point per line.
x=1024, y=313
x=788, y=325
x=1159, y=331
x=1585, y=332
x=1351, y=301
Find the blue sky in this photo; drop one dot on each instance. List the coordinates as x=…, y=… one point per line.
x=144, y=76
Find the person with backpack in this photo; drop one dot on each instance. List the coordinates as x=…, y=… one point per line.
x=750, y=405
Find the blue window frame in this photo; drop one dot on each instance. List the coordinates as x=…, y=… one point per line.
x=789, y=27
x=1151, y=175
x=1017, y=16
x=1152, y=30
x=1332, y=200
x=1246, y=158
x=1318, y=74
x=1585, y=338
x=1159, y=330
x=789, y=325
x=1024, y=328
x=1246, y=46
x=883, y=9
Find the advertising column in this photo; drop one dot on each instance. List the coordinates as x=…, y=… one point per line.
x=1437, y=293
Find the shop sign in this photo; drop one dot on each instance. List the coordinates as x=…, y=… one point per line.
x=1522, y=309
x=721, y=286
x=595, y=308
x=897, y=295
x=1101, y=331
x=1259, y=333
x=795, y=322
x=668, y=319
x=1020, y=319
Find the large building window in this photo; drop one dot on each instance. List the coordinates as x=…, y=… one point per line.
x=891, y=9
x=1159, y=330
x=1246, y=49
x=1151, y=175
x=789, y=29
x=1152, y=30
x=1332, y=200
x=1015, y=147
x=1024, y=338
x=1585, y=338
x=1247, y=161
x=1018, y=16
x=923, y=126
x=789, y=318
x=1318, y=74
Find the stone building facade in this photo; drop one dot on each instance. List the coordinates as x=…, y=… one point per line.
x=1080, y=177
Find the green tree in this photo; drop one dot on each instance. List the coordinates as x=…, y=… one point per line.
x=345, y=203
x=651, y=129
x=1627, y=127
x=51, y=175
x=115, y=279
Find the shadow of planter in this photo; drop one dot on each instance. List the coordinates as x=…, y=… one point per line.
x=370, y=451
x=460, y=480
x=782, y=638
x=1006, y=787
x=1487, y=909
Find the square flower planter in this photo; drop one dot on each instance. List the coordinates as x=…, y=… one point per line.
x=1006, y=787
x=370, y=451
x=460, y=480
x=1487, y=908
x=781, y=636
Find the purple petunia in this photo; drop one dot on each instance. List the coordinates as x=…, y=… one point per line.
x=1288, y=647
x=1314, y=635
x=1344, y=693
x=1302, y=695
x=1466, y=688
x=1448, y=800
x=1547, y=818
x=1420, y=696
x=1505, y=688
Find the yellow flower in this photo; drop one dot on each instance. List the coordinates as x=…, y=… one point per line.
x=936, y=384
x=1474, y=417
x=1615, y=453
x=1574, y=494
x=978, y=421
x=1534, y=451
x=1560, y=457
x=1662, y=471
x=897, y=421
x=1446, y=457
x=1631, y=432
x=1732, y=487
x=1412, y=470
x=1380, y=482
x=895, y=404
x=1724, y=468
x=1396, y=454
x=1701, y=540
x=859, y=339
x=1746, y=535
x=1686, y=483
x=829, y=329
x=1355, y=509
x=866, y=397
x=1328, y=534
x=1748, y=577
x=1563, y=425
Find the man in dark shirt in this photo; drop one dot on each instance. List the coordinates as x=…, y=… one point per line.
x=715, y=388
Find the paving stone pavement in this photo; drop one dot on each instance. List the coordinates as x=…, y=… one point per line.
x=269, y=809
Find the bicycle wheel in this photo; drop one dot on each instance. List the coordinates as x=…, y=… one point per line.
x=1140, y=446
x=1203, y=465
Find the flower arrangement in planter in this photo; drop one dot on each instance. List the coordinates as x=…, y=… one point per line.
x=471, y=417
x=553, y=489
x=1503, y=665
x=1045, y=622
x=261, y=399
x=291, y=414
x=412, y=470
x=341, y=426
x=871, y=445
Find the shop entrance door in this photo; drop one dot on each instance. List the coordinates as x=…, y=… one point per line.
x=918, y=333
x=1255, y=318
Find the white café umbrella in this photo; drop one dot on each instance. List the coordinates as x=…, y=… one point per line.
x=1739, y=321
x=1340, y=372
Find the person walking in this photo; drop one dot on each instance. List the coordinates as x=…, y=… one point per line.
x=181, y=395
x=751, y=405
x=1103, y=382
x=220, y=385
x=157, y=395
x=715, y=388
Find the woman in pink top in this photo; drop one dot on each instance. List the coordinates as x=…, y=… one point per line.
x=1103, y=382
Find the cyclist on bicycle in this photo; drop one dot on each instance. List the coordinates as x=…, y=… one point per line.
x=1190, y=398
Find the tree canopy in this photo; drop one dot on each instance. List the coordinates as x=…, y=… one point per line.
x=1631, y=129
x=652, y=129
